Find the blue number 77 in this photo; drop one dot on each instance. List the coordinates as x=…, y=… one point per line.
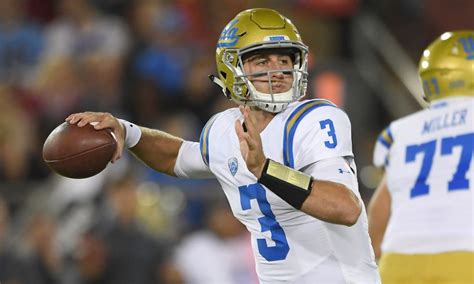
x=428, y=149
x=466, y=141
x=459, y=180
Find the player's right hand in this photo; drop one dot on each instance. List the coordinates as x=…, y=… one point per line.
x=101, y=120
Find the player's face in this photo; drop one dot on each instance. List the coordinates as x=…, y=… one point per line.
x=274, y=82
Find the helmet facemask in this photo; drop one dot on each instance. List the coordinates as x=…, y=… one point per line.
x=244, y=91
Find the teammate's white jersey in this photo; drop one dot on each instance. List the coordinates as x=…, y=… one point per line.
x=289, y=245
x=430, y=177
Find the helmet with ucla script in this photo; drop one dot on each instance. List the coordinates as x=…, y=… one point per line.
x=447, y=66
x=251, y=31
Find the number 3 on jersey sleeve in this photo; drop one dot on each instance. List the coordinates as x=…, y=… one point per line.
x=459, y=180
x=268, y=222
x=331, y=133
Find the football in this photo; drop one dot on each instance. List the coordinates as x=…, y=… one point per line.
x=78, y=152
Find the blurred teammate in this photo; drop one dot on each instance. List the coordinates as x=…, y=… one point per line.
x=424, y=205
x=286, y=166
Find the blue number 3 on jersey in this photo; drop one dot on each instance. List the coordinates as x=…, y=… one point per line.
x=268, y=222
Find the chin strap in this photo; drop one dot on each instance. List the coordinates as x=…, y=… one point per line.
x=275, y=106
x=219, y=83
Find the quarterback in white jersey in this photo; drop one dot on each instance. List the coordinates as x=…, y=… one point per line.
x=286, y=166
x=289, y=244
x=424, y=206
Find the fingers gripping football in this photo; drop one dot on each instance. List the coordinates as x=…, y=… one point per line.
x=101, y=120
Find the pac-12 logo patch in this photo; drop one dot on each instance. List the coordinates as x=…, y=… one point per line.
x=233, y=165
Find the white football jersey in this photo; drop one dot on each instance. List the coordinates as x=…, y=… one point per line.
x=289, y=245
x=430, y=177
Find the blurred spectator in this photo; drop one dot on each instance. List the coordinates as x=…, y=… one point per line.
x=165, y=50
x=200, y=93
x=81, y=32
x=89, y=262
x=114, y=7
x=38, y=262
x=21, y=44
x=7, y=265
x=162, y=64
x=140, y=100
x=59, y=89
x=182, y=123
x=17, y=139
x=132, y=254
x=89, y=47
x=142, y=15
x=219, y=253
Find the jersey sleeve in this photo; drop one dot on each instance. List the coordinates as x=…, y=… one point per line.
x=382, y=148
x=338, y=169
x=315, y=131
x=204, y=139
x=193, y=157
x=189, y=163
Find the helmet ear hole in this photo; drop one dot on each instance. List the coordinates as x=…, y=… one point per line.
x=223, y=74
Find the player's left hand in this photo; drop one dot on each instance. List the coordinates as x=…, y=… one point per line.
x=250, y=142
x=102, y=120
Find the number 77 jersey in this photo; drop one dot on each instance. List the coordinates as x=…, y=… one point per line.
x=428, y=159
x=290, y=246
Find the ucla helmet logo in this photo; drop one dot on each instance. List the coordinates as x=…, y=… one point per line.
x=229, y=35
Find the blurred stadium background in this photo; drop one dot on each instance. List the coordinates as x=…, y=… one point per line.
x=147, y=61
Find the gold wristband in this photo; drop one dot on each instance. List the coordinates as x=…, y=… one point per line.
x=289, y=184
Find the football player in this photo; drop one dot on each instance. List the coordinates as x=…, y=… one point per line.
x=421, y=216
x=285, y=165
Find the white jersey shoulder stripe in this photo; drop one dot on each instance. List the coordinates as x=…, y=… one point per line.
x=204, y=139
x=382, y=147
x=386, y=138
x=292, y=123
